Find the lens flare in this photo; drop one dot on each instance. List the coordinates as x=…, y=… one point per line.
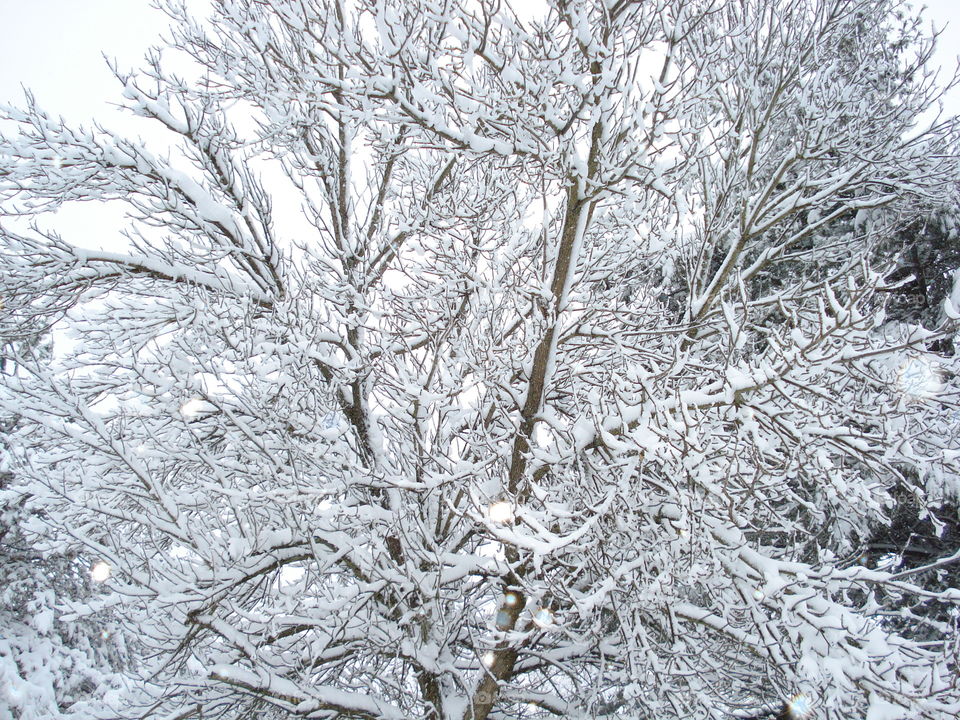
x=500, y=512
x=543, y=617
x=799, y=706
x=100, y=572
x=919, y=379
x=193, y=408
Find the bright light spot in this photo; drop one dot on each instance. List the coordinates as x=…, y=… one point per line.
x=542, y=436
x=543, y=617
x=290, y=574
x=511, y=599
x=919, y=379
x=179, y=552
x=500, y=512
x=531, y=10
x=192, y=408
x=758, y=595
x=799, y=706
x=488, y=658
x=105, y=635
x=58, y=161
x=100, y=572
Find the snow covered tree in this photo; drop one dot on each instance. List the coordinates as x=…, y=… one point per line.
x=50, y=669
x=921, y=534
x=459, y=362
x=52, y=666
x=928, y=259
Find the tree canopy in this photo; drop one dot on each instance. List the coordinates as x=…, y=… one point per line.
x=465, y=361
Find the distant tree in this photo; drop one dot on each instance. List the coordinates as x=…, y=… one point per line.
x=923, y=532
x=50, y=669
x=458, y=364
x=928, y=257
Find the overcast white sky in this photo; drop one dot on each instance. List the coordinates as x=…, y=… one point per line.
x=54, y=47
